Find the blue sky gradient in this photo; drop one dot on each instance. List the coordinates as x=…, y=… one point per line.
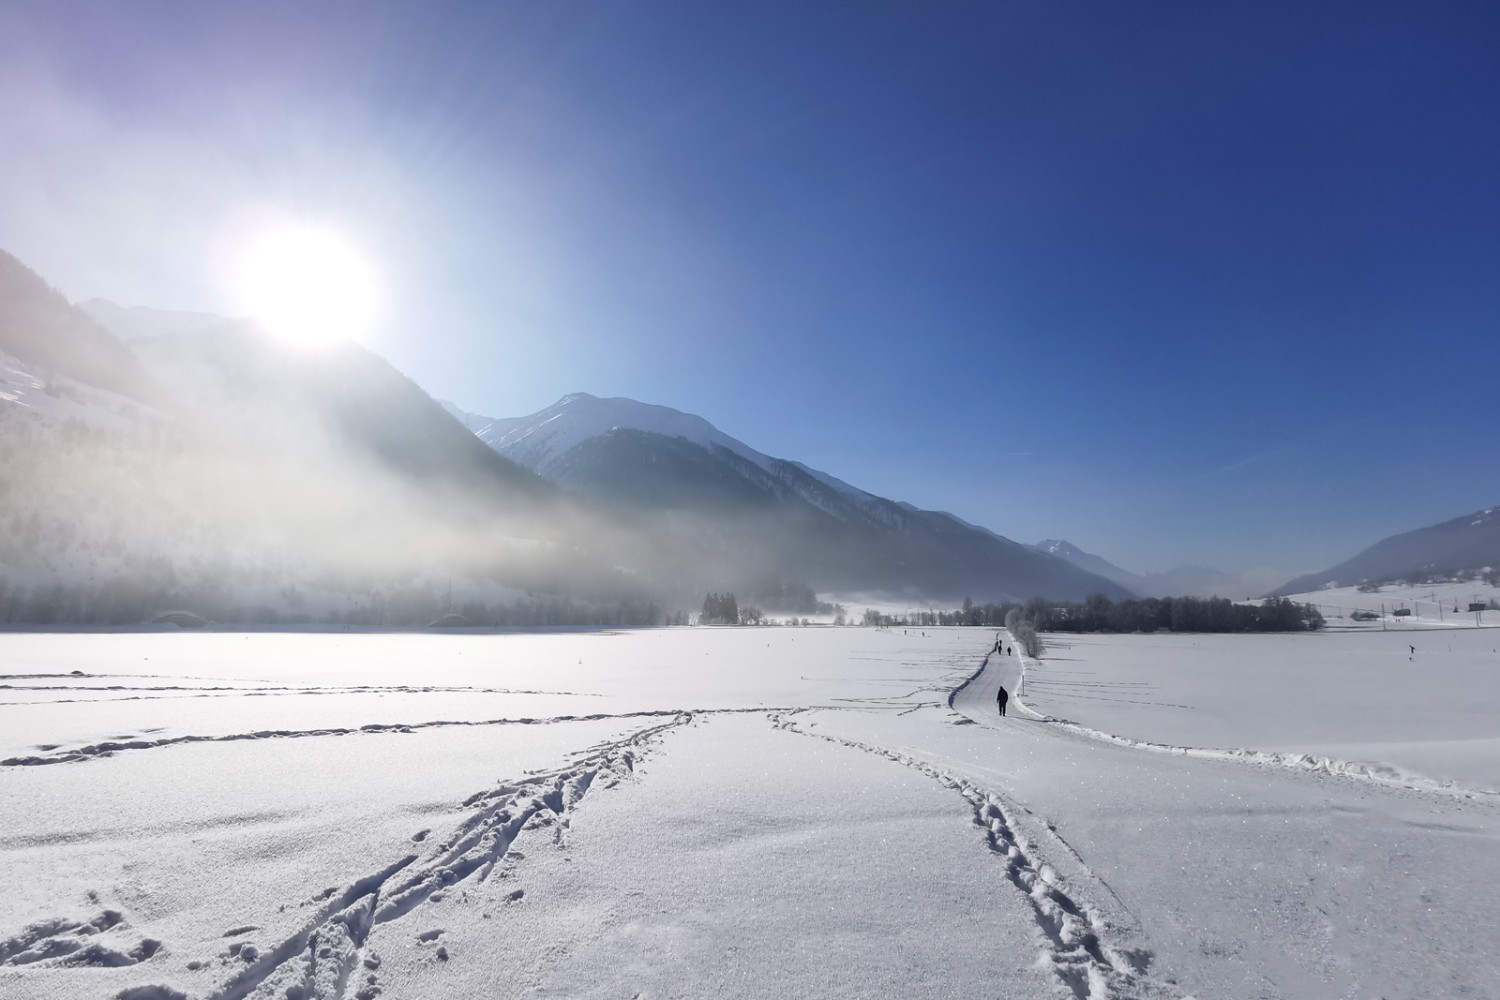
x=1180, y=283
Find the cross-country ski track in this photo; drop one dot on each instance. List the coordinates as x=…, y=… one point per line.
x=898, y=839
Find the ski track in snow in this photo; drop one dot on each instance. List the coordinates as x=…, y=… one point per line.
x=327, y=958
x=95, y=751
x=1075, y=936
x=1371, y=771
x=156, y=692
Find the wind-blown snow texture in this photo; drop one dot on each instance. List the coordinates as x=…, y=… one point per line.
x=746, y=812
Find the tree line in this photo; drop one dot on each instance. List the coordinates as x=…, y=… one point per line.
x=1100, y=614
x=136, y=599
x=720, y=609
x=1176, y=614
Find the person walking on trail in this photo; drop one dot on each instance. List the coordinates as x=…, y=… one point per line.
x=1001, y=698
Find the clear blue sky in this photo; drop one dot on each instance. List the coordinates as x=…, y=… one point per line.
x=1213, y=283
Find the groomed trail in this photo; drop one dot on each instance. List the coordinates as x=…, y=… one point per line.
x=885, y=834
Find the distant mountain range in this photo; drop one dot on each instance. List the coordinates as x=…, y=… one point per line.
x=1179, y=581
x=1470, y=542
x=166, y=453
x=762, y=516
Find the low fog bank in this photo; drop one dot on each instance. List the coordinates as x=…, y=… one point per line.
x=268, y=487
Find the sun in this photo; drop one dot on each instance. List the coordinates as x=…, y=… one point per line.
x=308, y=285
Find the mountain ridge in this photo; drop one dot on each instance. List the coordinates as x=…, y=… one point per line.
x=1467, y=542
x=771, y=513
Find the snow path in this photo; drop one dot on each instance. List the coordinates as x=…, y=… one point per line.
x=883, y=834
x=1007, y=670
x=1247, y=879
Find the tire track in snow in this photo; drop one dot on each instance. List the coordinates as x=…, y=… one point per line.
x=1075, y=935
x=327, y=958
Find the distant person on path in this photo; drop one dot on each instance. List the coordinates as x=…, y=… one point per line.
x=1001, y=698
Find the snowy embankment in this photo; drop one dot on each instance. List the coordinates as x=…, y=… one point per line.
x=690, y=812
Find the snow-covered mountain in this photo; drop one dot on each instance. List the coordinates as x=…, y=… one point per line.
x=42, y=328
x=766, y=515
x=1469, y=542
x=1064, y=549
x=544, y=442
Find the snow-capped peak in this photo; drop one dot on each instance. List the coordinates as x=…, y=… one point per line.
x=577, y=417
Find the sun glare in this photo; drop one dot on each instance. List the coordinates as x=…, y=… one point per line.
x=308, y=286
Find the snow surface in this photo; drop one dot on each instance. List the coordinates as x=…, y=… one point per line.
x=1432, y=605
x=820, y=812
x=1355, y=697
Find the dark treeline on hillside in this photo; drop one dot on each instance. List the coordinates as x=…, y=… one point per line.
x=127, y=600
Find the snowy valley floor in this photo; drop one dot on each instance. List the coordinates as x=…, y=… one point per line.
x=810, y=812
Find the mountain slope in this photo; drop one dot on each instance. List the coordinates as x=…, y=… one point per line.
x=39, y=325
x=753, y=516
x=1468, y=542
x=1094, y=564
x=134, y=322
x=271, y=481
x=345, y=396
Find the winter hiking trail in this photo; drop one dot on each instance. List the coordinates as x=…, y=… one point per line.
x=1249, y=881
x=994, y=670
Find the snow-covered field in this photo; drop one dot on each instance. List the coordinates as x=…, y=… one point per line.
x=747, y=812
x=1411, y=704
x=1431, y=605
